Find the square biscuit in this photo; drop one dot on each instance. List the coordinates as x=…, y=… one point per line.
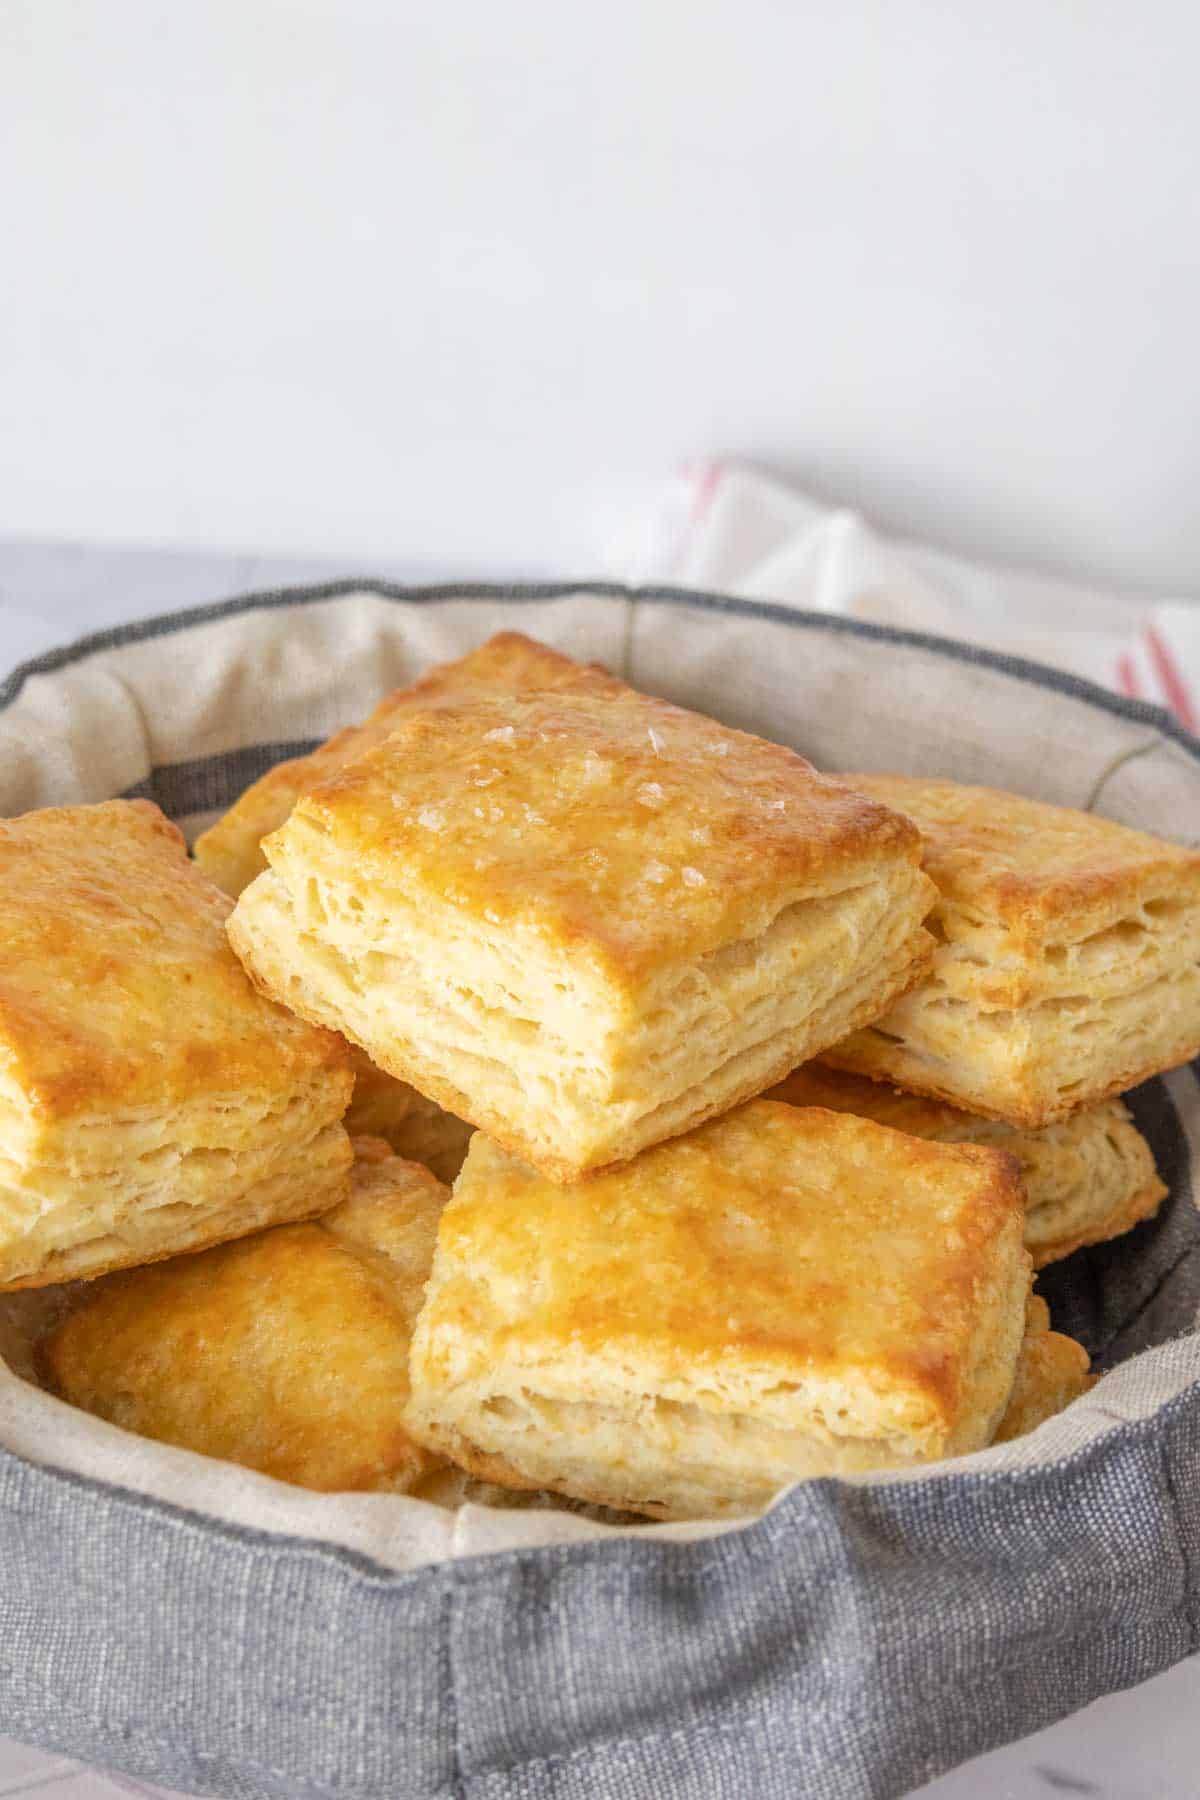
x=286, y=1352
x=783, y=1293
x=1068, y=962
x=229, y=853
x=585, y=920
x=1088, y=1178
x=153, y=1101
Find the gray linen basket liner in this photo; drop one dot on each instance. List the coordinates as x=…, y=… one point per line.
x=214, y=1631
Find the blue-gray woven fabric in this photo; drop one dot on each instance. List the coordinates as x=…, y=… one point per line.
x=854, y=1643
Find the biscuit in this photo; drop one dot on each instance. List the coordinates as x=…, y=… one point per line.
x=783, y=1293
x=416, y=1128
x=229, y=854
x=1068, y=966
x=585, y=920
x=286, y=1352
x=1052, y=1370
x=153, y=1101
x=1087, y=1179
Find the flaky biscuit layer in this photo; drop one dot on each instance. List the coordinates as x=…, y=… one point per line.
x=1068, y=961
x=593, y=1081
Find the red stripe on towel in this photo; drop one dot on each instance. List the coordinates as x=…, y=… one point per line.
x=1174, y=686
x=706, y=480
x=1127, y=677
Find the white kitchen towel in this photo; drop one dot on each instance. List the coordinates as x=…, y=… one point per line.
x=728, y=527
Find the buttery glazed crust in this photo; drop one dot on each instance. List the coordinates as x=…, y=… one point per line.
x=229, y=851
x=1088, y=1179
x=152, y=1100
x=583, y=919
x=782, y=1293
x=286, y=1352
x=118, y=985
x=1068, y=966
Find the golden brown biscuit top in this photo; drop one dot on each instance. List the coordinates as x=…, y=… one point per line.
x=1022, y=860
x=611, y=822
x=228, y=852
x=117, y=984
x=792, y=1240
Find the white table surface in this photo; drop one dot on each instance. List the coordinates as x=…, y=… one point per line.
x=1140, y=1745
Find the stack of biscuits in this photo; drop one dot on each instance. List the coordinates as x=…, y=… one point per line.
x=763, y=1094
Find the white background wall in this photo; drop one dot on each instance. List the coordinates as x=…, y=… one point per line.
x=462, y=281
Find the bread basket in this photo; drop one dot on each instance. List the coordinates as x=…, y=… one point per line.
x=217, y=1632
